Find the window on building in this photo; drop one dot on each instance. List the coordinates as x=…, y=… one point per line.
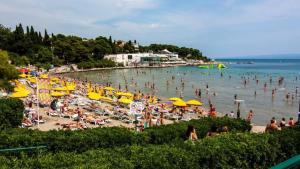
x=129, y=57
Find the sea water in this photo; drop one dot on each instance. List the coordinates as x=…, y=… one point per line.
x=221, y=89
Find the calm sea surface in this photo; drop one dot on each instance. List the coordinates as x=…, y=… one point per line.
x=221, y=89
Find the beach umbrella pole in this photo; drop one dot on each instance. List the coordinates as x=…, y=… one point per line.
x=37, y=99
x=299, y=111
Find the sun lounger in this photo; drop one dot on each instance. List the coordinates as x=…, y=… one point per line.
x=24, y=125
x=39, y=121
x=107, y=120
x=53, y=114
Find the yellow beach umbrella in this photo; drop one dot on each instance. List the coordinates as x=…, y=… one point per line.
x=44, y=76
x=61, y=88
x=57, y=94
x=106, y=99
x=71, y=86
x=22, y=75
x=194, y=102
x=19, y=89
x=32, y=80
x=55, y=79
x=175, y=99
x=52, y=82
x=179, y=103
x=19, y=94
x=124, y=94
x=108, y=88
x=125, y=101
x=94, y=96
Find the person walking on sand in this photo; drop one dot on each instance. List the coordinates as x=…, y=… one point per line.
x=79, y=115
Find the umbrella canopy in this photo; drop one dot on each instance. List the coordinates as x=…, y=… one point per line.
x=179, y=103
x=22, y=75
x=33, y=73
x=106, y=99
x=24, y=70
x=70, y=86
x=44, y=76
x=56, y=79
x=32, y=79
x=53, y=104
x=57, y=94
x=61, y=88
x=194, y=102
x=125, y=101
x=175, y=99
x=94, y=96
x=20, y=94
x=124, y=94
x=108, y=88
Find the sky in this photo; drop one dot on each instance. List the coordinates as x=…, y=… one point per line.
x=219, y=28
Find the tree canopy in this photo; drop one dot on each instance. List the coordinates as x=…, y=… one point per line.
x=31, y=46
x=7, y=71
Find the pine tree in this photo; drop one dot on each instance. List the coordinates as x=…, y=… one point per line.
x=27, y=31
x=19, y=32
x=46, y=40
x=32, y=34
x=110, y=40
x=40, y=38
x=36, y=37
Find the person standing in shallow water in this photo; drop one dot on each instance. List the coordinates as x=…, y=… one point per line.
x=235, y=98
x=199, y=93
x=250, y=116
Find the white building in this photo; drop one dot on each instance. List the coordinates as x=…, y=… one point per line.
x=170, y=55
x=131, y=59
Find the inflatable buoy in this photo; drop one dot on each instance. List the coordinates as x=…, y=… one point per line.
x=204, y=67
x=221, y=66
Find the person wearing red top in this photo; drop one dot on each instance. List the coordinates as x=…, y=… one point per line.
x=291, y=122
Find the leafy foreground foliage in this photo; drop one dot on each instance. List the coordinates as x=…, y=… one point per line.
x=7, y=72
x=11, y=113
x=243, y=150
x=80, y=141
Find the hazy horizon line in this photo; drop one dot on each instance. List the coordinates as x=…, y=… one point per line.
x=265, y=56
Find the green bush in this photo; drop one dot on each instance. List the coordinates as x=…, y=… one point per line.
x=7, y=72
x=84, y=140
x=18, y=60
x=169, y=133
x=231, y=150
x=96, y=64
x=11, y=113
x=45, y=66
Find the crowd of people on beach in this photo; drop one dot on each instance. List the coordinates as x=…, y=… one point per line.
x=154, y=112
x=156, y=109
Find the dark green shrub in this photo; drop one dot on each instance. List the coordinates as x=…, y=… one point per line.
x=231, y=150
x=96, y=64
x=80, y=141
x=11, y=113
x=170, y=133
